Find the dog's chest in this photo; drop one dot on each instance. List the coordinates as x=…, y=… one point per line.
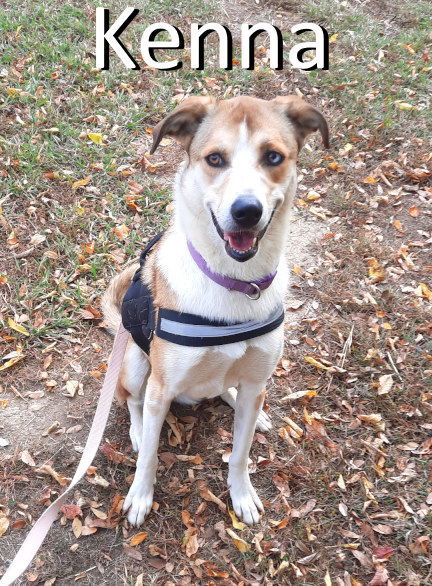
x=203, y=373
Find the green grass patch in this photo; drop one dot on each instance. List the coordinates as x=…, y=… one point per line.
x=378, y=76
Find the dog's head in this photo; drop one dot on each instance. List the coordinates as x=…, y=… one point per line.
x=242, y=156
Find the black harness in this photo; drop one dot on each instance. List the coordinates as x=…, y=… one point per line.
x=139, y=318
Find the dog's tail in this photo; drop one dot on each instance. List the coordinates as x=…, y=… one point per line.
x=113, y=296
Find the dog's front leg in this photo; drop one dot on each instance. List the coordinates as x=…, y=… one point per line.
x=140, y=496
x=246, y=503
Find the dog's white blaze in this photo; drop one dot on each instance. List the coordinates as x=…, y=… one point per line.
x=246, y=177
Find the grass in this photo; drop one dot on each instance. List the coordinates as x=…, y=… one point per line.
x=51, y=99
x=378, y=64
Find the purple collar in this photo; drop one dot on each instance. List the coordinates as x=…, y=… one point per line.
x=251, y=289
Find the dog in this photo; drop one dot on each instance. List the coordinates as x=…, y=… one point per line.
x=232, y=195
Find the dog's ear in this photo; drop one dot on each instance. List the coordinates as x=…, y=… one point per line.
x=306, y=118
x=183, y=121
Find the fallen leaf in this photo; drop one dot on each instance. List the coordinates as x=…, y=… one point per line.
x=121, y=231
x=236, y=523
x=4, y=525
x=138, y=538
x=47, y=469
x=27, y=458
x=384, y=552
x=71, y=387
x=77, y=527
x=341, y=483
x=381, y=577
x=70, y=511
x=385, y=384
x=190, y=541
x=96, y=138
x=17, y=327
x=299, y=395
x=405, y=106
x=383, y=529
x=37, y=239
x=294, y=304
x=375, y=418
x=12, y=361
x=423, y=291
x=316, y=363
x=81, y=182
x=398, y=225
x=207, y=495
x=240, y=543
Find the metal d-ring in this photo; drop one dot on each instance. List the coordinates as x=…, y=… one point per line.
x=256, y=294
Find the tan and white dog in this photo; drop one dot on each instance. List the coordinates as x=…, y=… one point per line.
x=232, y=200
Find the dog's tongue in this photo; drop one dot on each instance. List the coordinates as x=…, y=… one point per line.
x=240, y=240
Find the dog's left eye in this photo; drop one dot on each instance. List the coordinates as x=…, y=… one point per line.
x=273, y=158
x=215, y=160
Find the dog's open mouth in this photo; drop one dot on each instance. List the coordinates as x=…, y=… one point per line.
x=241, y=245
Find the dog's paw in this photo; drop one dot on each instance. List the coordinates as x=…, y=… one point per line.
x=138, y=504
x=246, y=503
x=263, y=422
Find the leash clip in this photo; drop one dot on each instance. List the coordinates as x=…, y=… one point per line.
x=256, y=294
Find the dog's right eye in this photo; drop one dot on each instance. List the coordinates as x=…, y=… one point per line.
x=215, y=160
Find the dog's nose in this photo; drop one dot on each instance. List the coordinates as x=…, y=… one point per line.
x=247, y=211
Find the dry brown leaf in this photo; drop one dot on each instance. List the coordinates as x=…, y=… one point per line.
x=316, y=363
x=70, y=511
x=138, y=538
x=26, y=457
x=381, y=577
x=240, y=543
x=17, y=327
x=299, y=395
x=341, y=483
x=4, y=525
x=207, y=495
x=81, y=183
x=236, y=523
x=385, y=384
x=77, y=527
x=190, y=541
x=399, y=227
x=58, y=477
x=383, y=529
x=121, y=231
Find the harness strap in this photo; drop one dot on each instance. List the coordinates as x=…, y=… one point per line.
x=147, y=249
x=137, y=310
x=192, y=330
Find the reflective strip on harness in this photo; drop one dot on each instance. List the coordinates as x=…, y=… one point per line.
x=192, y=330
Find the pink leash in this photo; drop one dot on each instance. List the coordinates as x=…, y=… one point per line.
x=38, y=532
